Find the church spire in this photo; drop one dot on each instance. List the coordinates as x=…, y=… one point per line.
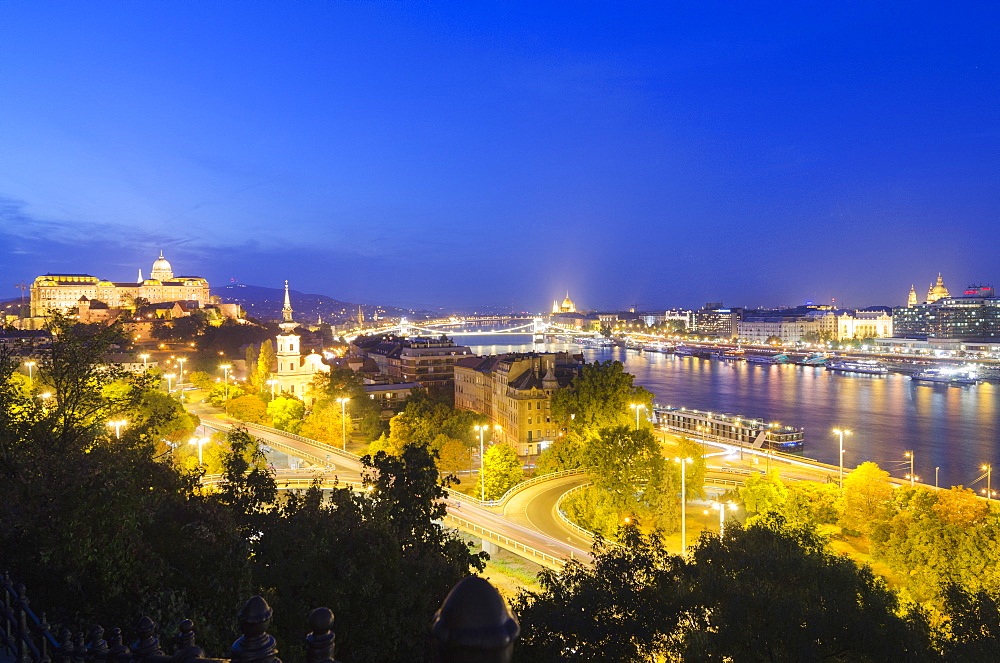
x=287, y=324
x=911, y=300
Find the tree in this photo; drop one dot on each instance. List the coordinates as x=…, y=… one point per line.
x=266, y=359
x=599, y=397
x=453, y=455
x=201, y=379
x=764, y=493
x=765, y=592
x=286, y=413
x=866, y=493
x=501, y=470
x=250, y=408
x=323, y=422
x=250, y=356
x=635, y=586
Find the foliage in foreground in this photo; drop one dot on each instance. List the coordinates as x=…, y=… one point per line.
x=104, y=529
x=765, y=592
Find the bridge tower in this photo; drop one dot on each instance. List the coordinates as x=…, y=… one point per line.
x=538, y=326
x=404, y=327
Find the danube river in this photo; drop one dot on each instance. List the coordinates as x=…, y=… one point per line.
x=954, y=428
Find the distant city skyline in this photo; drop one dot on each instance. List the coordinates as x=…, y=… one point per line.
x=499, y=154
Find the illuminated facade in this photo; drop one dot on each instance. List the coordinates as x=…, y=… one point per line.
x=975, y=314
x=515, y=392
x=937, y=291
x=62, y=292
x=294, y=373
x=567, y=306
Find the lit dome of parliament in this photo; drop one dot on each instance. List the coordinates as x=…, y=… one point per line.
x=567, y=305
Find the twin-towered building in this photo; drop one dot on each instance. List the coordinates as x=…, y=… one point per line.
x=972, y=315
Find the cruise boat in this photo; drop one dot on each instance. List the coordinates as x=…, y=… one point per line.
x=729, y=428
x=779, y=358
x=962, y=375
x=867, y=367
x=690, y=351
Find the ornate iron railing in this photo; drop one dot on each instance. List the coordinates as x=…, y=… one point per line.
x=472, y=625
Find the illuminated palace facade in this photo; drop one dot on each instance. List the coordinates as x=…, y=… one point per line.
x=62, y=292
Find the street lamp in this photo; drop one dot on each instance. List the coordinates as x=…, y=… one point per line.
x=180, y=378
x=637, y=407
x=170, y=385
x=841, y=432
x=31, y=375
x=684, y=462
x=721, y=508
x=225, y=376
x=910, y=476
x=144, y=358
x=343, y=420
x=272, y=383
x=117, y=425
x=936, y=471
x=200, y=441
x=482, y=483
x=989, y=476
x=45, y=400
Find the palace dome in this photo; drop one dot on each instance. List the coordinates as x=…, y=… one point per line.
x=162, y=271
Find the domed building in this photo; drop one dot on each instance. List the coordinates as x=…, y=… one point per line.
x=567, y=305
x=937, y=291
x=62, y=292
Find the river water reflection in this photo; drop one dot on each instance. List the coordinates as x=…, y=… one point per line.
x=954, y=428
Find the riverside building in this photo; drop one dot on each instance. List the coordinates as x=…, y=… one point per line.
x=515, y=391
x=972, y=315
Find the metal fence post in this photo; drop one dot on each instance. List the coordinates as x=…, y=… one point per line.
x=474, y=625
x=255, y=645
x=321, y=640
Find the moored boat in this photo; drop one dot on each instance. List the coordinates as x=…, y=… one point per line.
x=867, y=367
x=948, y=375
x=729, y=428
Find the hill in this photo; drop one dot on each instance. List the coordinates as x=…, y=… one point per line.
x=265, y=304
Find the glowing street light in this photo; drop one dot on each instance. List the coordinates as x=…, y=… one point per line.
x=117, y=425
x=200, y=441
x=989, y=476
x=343, y=420
x=45, y=400
x=910, y=476
x=482, y=465
x=170, y=385
x=225, y=376
x=31, y=375
x=684, y=463
x=841, y=432
x=272, y=383
x=180, y=378
x=144, y=358
x=721, y=508
x=637, y=407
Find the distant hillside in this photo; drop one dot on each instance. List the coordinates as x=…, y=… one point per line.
x=265, y=304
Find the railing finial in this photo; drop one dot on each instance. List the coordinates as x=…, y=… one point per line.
x=474, y=624
x=320, y=642
x=256, y=645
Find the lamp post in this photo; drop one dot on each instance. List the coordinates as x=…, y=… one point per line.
x=936, y=471
x=841, y=432
x=272, y=383
x=722, y=514
x=45, y=400
x=684, y=462
x=144, y=358
x=200, y=441
x=225, y=376
x=637, y=407
x=180, y=378
x=31, y=374
x=170, y=384
x=909, y=454
x=343, y=420
x=989, y=476
x=482, y=483
x=117, y=425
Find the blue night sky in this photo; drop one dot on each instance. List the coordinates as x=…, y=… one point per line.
x=497, y=153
